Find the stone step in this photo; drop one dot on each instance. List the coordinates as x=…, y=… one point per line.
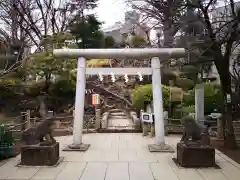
x=119, y=94
x=118, y=114
x=116, y=130
x=116, y=110
x=118, y=117
x=110, y=118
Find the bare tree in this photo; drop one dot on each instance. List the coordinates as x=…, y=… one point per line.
x=28, y=23
x=36, y=19
x=166, y=14
x=219, y=42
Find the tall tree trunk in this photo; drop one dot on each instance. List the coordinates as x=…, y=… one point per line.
x=168, y=34
x=229, y=137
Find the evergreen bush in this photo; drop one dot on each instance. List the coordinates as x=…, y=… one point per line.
x=6, y=142
x=144, y=93
x=212, y=98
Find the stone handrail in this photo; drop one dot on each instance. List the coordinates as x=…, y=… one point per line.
x=103, y=90
x=135, y=119
x=104, y=122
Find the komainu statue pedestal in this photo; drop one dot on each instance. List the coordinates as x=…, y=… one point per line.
x=40, y=149
x=195, y=155
x=40, y=155
x=194, y=149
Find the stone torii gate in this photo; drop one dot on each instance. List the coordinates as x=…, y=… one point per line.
x=154, y=70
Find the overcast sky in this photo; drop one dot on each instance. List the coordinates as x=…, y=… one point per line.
x=111, y=11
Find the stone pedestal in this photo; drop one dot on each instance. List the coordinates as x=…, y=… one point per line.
x=40, y=155
x=160, y=148
x=78, y=147
x=195, y=155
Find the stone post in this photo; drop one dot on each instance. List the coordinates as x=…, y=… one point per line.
x=98, y=118
x=159, y=145
x=28, y=119
x=58, y=124
x=43, y=109
x=77, y=144
x=199, y=103
x=165, y=114
x=23, y=121
x=33, y=121
x=219, y=128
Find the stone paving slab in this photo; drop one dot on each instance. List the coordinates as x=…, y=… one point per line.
x=119, y=157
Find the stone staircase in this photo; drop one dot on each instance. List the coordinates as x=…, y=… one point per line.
x=118, y=119
x=117, y=91
x=110, y=92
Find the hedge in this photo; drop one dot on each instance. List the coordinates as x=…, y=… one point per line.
x=212, y=98
x=6, y=142
x=7, y=87
x=63, y=88
x=144, y=93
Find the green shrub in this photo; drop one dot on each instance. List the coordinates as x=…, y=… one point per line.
x=7, y=87
x=63, y=88
x=189, y=98
x=34, y=88
x=212, y=98
x=186, y=110
x=184, y=83
x=144, y=93
x=6, y=142
x=60, y=88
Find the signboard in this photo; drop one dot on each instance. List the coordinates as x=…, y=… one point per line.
x=147, y=117
x=96, y=99
x=229, y=98
x=176, y=94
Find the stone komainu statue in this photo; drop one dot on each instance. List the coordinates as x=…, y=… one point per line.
x=197, y=132
x=36, y=135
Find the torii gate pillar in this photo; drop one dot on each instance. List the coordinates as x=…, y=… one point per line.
x=77, y=144
x=159, y=145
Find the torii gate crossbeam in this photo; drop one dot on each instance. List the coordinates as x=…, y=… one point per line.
x=154, y=53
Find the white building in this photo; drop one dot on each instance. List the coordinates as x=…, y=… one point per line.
x=122, y=31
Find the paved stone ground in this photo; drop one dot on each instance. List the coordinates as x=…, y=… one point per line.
x=121, y=123
x=119, y=157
